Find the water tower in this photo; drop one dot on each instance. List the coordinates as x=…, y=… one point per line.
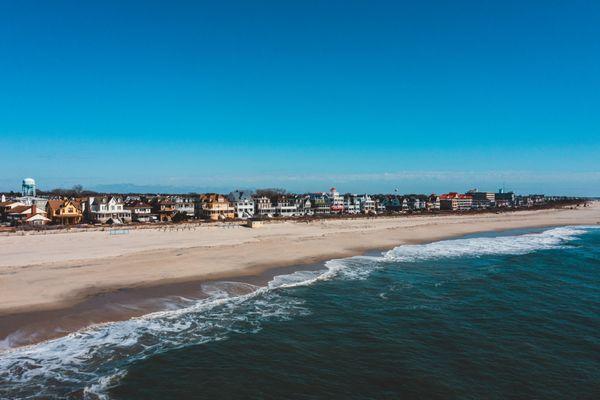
x=28, y=187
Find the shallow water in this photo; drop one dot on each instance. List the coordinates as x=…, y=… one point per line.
x=495, y=316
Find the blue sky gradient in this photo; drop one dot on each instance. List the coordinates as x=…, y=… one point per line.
x=364, y=95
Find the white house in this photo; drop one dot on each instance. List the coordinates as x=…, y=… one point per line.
x=183, y=205
x=141, y=212
x=367, y=204
x=303, y=205
x=351, y=204
x=263, y=207
x=285, y=208
x=243, y=203
x=107, y=209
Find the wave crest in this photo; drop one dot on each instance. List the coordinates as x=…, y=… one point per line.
x=482, y=246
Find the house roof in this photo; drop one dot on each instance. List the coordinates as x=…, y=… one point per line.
x=55, y=204
x=454, y=195
x=9, y=203
x=37, y=217
x=19, y=209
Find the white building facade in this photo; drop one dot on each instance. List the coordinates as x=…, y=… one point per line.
x=107, y=209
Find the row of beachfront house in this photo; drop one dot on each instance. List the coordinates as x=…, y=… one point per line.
x=240, y=204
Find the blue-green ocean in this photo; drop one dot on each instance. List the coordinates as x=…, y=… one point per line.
x=512, y=315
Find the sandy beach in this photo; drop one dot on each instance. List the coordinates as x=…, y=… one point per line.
x=44, y=272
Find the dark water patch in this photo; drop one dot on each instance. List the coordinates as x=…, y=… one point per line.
x=493, y=327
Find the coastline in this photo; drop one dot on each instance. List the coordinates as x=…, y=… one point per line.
x=79, y=291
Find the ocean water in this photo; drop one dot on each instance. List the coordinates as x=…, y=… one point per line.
x=514, y=315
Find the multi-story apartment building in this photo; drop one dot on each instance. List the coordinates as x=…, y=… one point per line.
x=456, y=202
x=482, y=199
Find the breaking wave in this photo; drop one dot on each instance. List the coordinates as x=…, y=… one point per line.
x=482, y=246
x=85, y=364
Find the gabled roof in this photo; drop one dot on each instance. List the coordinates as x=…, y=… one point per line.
x=10, y=203
x=37, y=217
x=19, y=209
x=56, y=204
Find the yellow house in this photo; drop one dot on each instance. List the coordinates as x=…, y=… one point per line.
x=64, y=211
x=216, y=207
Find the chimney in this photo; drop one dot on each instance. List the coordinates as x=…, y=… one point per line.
x=33, y=209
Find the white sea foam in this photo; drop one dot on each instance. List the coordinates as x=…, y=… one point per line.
x=482, y=246
x=94, y=359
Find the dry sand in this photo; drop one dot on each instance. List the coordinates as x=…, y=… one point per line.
x=43, y=272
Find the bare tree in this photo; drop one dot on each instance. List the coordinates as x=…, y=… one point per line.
x=271, y=193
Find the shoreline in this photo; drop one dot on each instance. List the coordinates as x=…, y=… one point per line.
x=153, y=284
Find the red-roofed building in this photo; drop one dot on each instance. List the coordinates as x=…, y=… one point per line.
x=456, y=201
x=29, y=215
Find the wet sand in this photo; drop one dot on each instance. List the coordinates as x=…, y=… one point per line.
x=20, y=329
x=73, y=287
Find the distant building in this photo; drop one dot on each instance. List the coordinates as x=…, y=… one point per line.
x=64, y=211
x=284, y=207
x=6, y=206
x=433, y=202
x=367, y=204
x=164, y=208
x=456, y=202
x=336, y=201
x=413, y=202
x=321, y=203
x=216, y=207
x=140, y=211
x=107, y=209
x=27, y=215
x=263, y=207
x=303, y=205
x=351, y=204
x=393, y=202
x=183, y=205
x=243, y=203
x=379, y=207
x=482, y=199
x=504, y=199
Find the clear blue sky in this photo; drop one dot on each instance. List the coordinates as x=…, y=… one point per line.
x=365, y=95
